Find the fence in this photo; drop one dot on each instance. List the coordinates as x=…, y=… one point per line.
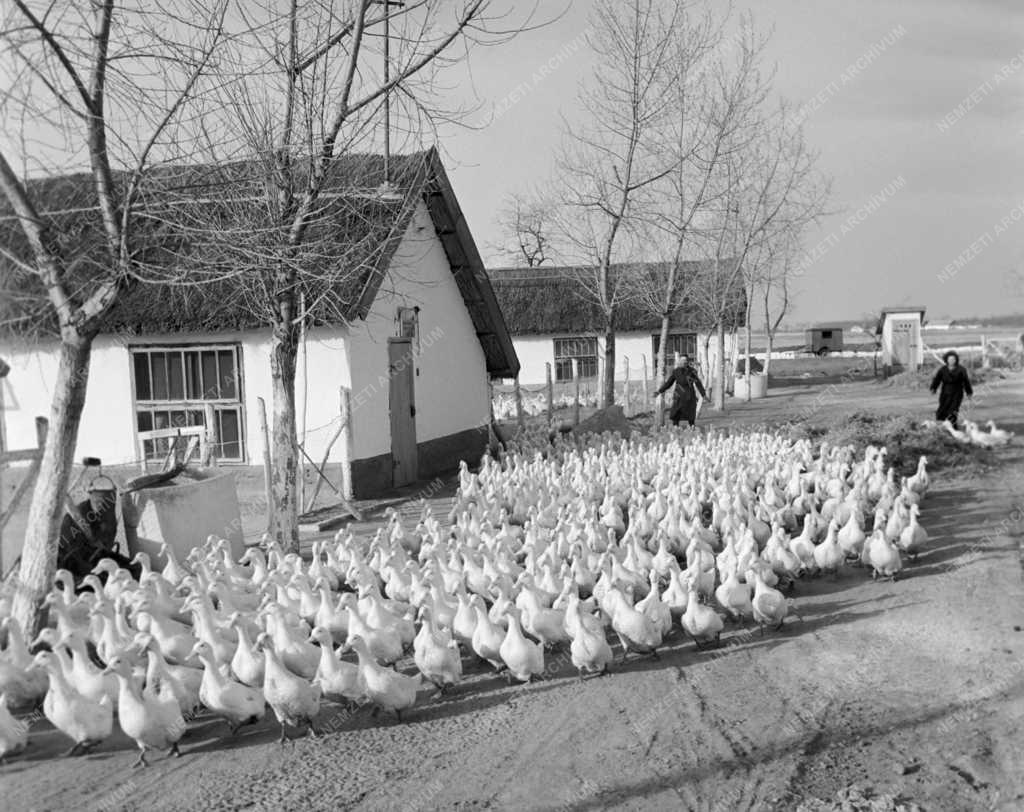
x=635, y=388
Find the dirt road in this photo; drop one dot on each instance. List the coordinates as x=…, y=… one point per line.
x=913, y=689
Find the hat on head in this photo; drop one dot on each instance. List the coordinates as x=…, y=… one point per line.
x=102, y=483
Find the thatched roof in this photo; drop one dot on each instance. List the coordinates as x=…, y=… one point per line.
x=222, y=215
x=551, y=300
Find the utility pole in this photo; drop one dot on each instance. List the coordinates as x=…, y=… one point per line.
x=387, y=78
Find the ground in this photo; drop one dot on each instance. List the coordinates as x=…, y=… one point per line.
x=905, y=692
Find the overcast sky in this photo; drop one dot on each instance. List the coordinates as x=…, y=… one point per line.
x=951, y=179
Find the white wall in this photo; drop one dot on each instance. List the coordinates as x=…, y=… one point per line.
x=450, y=384
x=108, y=423
x=534, y=351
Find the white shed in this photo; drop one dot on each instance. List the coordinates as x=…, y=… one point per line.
x=900, y=330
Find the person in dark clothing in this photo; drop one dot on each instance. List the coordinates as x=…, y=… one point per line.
x=955, y=384
x=92, y=534
x=684, y=398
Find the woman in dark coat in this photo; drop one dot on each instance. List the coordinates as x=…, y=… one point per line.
x=684, y=399
x=955, y=384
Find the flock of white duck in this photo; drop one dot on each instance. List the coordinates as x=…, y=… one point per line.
x=544, y=550
x=972, y=433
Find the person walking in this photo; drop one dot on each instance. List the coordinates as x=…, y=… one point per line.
x=954, y=383
x=684, y=398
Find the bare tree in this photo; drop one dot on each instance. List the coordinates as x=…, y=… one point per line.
x=304, y=86
x=526, y=224
x=113, y=86
x=776, y=291
x=609, y=160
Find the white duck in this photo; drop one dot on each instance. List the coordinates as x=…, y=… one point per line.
x=589, y=650
x=914, y=536
x=436, y=653
x=701, y=622
x=769, y=605
x=734, y=596
x=13, y=732
x=385, y=688
x=635, y=630
x=294, y=701
x=340, y=681
x=87, y=723
x=487, y=636
x=523, y=658
x=234, y=702
x=883, y=556
x=998, y=434
x=153, y=721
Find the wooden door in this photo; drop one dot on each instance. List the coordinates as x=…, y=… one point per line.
x=902, y=343
x=402, y=406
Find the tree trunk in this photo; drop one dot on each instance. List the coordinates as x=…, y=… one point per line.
x=283, y=441
x=39, y=554
x=608, y=396
x=769, y=344
x=661, y=370
x=746, y=356
x=719, y=391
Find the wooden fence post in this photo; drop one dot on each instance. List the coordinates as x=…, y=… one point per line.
x=576, y=395
x=550, y=392
x=267, y=473
x=625, y=386
x=42, y=428
x=647, y=394
x=208, y=452
x=520, y=419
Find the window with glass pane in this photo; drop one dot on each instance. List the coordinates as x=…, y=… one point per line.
x=681, y=343
x=583, y=350
x=174, y=384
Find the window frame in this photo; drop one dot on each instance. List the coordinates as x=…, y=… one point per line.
x=220, y=404
x=670, y=360
x=562, y=359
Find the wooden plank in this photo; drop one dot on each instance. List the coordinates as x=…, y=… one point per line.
x=42, y=427
x=22, y=455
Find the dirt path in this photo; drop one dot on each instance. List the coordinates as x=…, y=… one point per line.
x=913, y=689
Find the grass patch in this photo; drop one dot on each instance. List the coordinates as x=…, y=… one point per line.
x=904, y=437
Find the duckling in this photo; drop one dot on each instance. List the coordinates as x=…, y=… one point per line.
x=85, y=722
x=385, y=688
x=701, y=622
x=13, y=732
x=294, y=701
x=153, y=722
x=523, y=658
x=769, y=604
x=339, y=681
x=234, y=702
